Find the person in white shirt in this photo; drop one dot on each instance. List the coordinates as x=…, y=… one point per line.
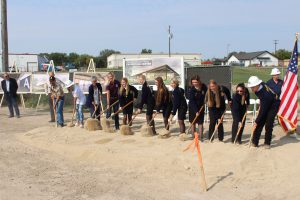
x=79, y=101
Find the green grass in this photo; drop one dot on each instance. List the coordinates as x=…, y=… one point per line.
x=242, y=74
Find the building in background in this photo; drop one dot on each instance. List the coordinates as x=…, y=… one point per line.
x=285, y=62
x=189, y=59
x=260, y=58
x=25, y=62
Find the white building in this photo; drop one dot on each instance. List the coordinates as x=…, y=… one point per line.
x=260, y=58
x=116, y=60
x=24, y=62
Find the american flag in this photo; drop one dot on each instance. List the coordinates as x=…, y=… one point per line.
x=287, y=114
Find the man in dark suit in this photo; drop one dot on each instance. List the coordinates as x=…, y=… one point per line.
x=10, y=87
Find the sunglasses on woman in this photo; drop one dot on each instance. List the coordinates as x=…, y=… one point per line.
x=239, y=91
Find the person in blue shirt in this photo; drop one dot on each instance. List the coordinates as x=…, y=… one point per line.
x=179, y=104
x=240, y=103
x=196, y=101
x=267, y=111
x=215, y=99
x=275, y=84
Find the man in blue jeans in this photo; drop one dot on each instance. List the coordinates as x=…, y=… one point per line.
x=58, y=96
x=10, y=87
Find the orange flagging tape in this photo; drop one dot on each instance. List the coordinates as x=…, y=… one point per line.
x=195, y=145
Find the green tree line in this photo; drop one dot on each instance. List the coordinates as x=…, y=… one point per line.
x=79, y=60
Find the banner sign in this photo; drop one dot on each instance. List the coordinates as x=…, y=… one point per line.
x=167, y=68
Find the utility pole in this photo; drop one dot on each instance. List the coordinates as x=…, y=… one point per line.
x=170, y=37
x=275, y=44
x=227, y=48
x=4, y=36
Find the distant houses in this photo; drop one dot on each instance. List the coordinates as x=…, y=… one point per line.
x=259, y=58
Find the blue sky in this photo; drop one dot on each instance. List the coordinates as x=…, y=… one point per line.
x=88, y=26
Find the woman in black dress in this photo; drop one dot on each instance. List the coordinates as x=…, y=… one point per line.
x=179, y=104
x=163, y=100
x=147, y=99
x=127, y=93
x=240, y=103
x=196, y=101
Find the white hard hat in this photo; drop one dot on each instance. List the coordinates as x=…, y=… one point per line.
x=69, y=83
x=253, y=81
x=275, y=71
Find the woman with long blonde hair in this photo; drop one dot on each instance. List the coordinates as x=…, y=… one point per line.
x=215, y=100
x=127, y=93
x=163, y=100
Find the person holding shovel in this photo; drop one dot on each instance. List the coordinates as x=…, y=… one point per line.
x=163, y=100
x=112, y=93
x=95, y=97
x=149, y=100
x=79, y=101
x=58, y=98
x=196, y=102
x=127, y=93
x=179, y=104
x=240, y=103
x=215, y=99
x=267, y=111
x=48, y=92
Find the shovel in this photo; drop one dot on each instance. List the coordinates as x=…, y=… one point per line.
x=217, y=126
x=238, y=133
x=193, y=122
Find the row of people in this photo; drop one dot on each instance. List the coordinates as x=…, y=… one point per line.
x=170, y=103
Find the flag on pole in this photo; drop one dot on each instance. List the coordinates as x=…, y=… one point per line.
x=287, y=114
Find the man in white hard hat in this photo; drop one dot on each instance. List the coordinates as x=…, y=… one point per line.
x=79, y=101
x=275, y=83
x=267, y=110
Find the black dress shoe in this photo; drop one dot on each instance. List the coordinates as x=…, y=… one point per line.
x=10, y=116
x=51, y=121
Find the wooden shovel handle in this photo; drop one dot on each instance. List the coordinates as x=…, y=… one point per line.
x=253, y=130
x=152, y=119
x=216, y=128
x=195, y=118
x=238, y=132
x=103, y=111
x=122, y=108
x=96, y=108
x=132, y=119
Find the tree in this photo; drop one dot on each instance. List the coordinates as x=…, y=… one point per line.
x=149, y=51
x=283, y=54
x=83, y=60
x=101, y=60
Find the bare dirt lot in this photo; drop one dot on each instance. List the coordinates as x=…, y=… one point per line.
x=39, y=161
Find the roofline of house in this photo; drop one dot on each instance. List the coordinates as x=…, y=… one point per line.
x=255, y=56
x=156, y=54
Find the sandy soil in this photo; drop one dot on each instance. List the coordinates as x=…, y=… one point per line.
x=39, y=161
